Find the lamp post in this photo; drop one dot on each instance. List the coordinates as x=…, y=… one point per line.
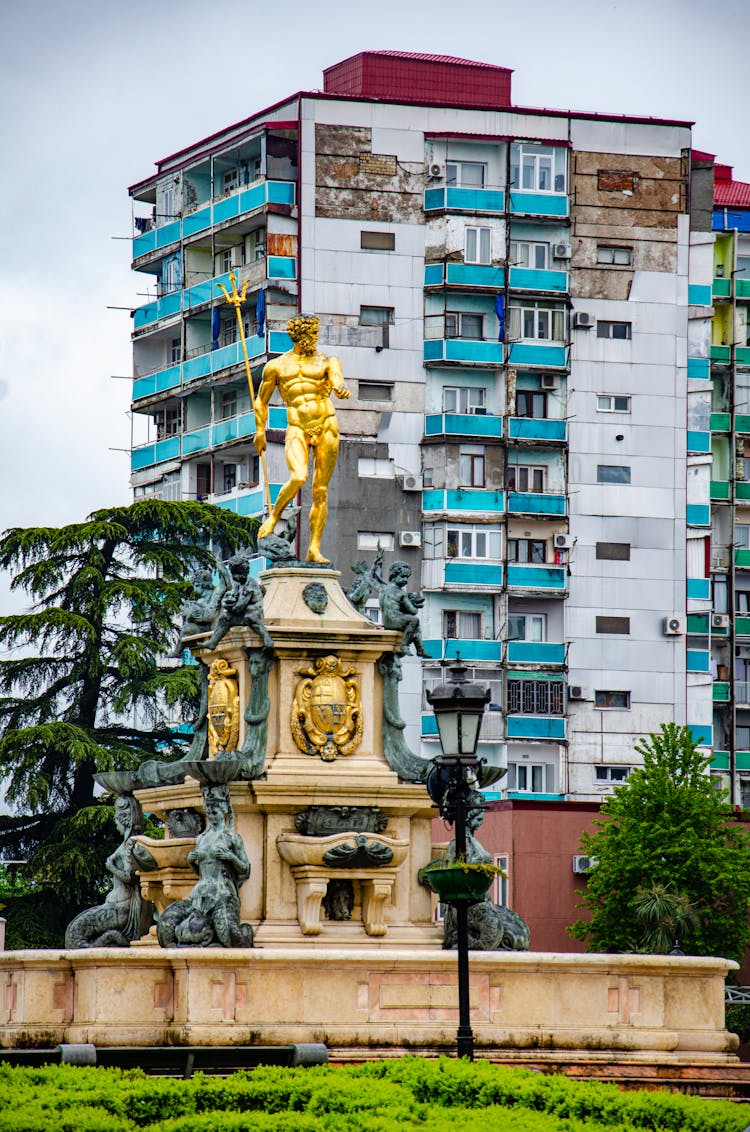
x=458, y=706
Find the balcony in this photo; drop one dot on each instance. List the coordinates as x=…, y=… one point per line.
x=529, y=279
x=698, y=515
x=535, y=652
x=541, y=429
x=202, y=439
x=742, y=626
x=246, y=501
x=451, y=198
x=468, y=648
x=721, y=288
x=463, y=500
x=719, y=491
x=742, y=558
x=699, y=295
x=550, y=354
x=720, y=692
x=698, y=660
x=699, y=589
x=721, y=354
x=539, y=204
x=488, y=277
x=492, y=726
x=535, y=727
x=536, y=503
x=698, y=443
x=441, y=573
x=720, y=422
x=463, y=424
x=699, y=368
x=209, y=291
x=218, y=212
x=209, y=363
x=741, y=422
x=549, y=579
x=742, y=693
x=742, y=288
x=465, y=351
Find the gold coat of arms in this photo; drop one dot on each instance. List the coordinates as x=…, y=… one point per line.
x=327, y=710
x=223, y=708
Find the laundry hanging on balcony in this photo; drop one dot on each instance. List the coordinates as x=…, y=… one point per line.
x=215, y=327
x=500, y=311
x=260, y=313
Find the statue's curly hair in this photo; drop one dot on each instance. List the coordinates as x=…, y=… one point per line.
x=301, y=324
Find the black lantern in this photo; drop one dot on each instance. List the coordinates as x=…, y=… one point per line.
x=459, y=706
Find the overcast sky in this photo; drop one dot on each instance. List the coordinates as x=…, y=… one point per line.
x=93, y=93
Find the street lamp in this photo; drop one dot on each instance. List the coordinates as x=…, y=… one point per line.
x=458, y=706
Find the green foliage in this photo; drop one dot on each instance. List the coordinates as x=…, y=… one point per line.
x=386, y=1096
x=81, y=690
x=737, y=1019
x=669, y=859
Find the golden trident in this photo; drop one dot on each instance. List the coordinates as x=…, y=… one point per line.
x=236, y=299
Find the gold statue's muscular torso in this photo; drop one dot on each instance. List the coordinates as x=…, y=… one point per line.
x=305, y=380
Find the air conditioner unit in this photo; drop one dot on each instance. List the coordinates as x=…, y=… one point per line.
x=561, y=251
x=578, y=692
x=719, y=621
x=413, y=483
x=583, y=865
x=436, y=169
x=548, y=381
x=562, y=541
x=410, y=538
x=583, y=320
x=674, y=625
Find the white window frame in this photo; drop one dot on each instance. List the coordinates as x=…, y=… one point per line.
x=539, y=618
x=457, y=177
x=459, y=615
x=527, y=155
x=481, y=238
x=612, y=692
x=614, y=255
x=533, y=315
x=501, y=887
x=471, y=400
x=375, y=467
x=491, y=678
x=227, y=404
x=524, y=253
x=607, y=402
x=605, y=329
x=474, y=540
x=527, y=473
x=603, y=774
x=528, y=543
x=230, y=180
x=368, y=540
x=544, y=772
x=455, y=325
x=175, y=350
x=472, y=465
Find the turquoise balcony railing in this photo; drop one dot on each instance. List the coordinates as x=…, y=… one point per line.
x=535, y=726
x=699, y=368
x=536, y=652
x=246, y=200
x=529, y=279
x=536, y=428
x=489, y=277
x=208, y=291
x=462, y=424
x=452, y=198
x=213, y=361
x=203, y=438
x=473, y=573
x=698, y=442
x=469, y=351
x=467, y=648
x=699, y=294
x=538, y=354
x=463, y=499
x=527, y=577
x=535, y=503
x=539, y=204
x=698, y=660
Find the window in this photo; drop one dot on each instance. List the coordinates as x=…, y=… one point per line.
x=526, y=477
x=462, y=624
x=527, y=550
x=500, y=887
x=742, y=601
x=378, y=316
x=614, y=257
x=619, y=330
x=613, y=624
x=472, y=542
x=743, y=266
x=612, y=473
x=531, y=404
x=175, y=350
x=168, y=422
x=536, y=320
x=377, y=241
x=228, y=404
x=535, y=697
x=742, y=536
x=742, y=737
x=466, y=174
x=460, y=324
x=229, y=331
x=617, y=551
x=478, y=245
x=490, y=678
x=527, y=627
x=538, y=168
x=373, y=611
x=231, y=180
x=256, y=245
x=374, y=467
x=609, y=774
x=612, y=403
x=230, y=477
x=530, y=254
x=530, y=778
x=375, y=391
x=471, y=465
x=225, y=260
x=371, y=540
x=611, y=699
x=468, y=399
x=171, y=275
x=202, y=480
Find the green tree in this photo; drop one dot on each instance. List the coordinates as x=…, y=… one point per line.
x=82, y=690
x=666, y=846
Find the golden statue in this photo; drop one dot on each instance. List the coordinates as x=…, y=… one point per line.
x=223, y=708
x=305, y=379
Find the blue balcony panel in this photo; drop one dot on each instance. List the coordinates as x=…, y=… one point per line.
x=429, y=725
x=535, y=727
x=698, y=515
x=536, y=577
x=474, y=275
x=463, y=424
x=699, y=295
x=698, y=660
x=529, y=796
x=463, y=499
x=196, y=221
x=699, y=588
x=434, y=274
x=698, y=442
x=536, y=428
x=469, y=649
x=467, y=350
x=702, y=733
x=725, y=219
x=206, y=291
x=165, y=307
x=157, y=453
x=699, y=368
x=278, y=342
x=474, y=573
x=233, y=429
x=282, y=267
x=535, y=503
x=196, y=441
x=451, y=197
x=158, y=382
x=536, y=652
x=528, y=279
x=167, y=234
x=250, y=503
x=538, y=354
x=539, y=204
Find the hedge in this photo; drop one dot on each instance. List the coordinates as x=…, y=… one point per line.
x=385, y=1096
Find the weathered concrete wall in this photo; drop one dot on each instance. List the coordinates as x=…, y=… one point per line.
x=355, y=183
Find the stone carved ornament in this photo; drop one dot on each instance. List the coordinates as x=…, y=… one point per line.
x=326, y=717
x=223, y=708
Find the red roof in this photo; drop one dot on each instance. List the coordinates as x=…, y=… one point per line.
x=413, y=77
x=699, y=155
x=731, y=194
x=431, y=59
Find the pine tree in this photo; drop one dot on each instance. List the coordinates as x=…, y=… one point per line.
x=83, y=690
x=668, y=830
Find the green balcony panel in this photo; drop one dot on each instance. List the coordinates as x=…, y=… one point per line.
x=697, y=624
x=720, y=760
x=463, y=424
x=742, y=626
x=699, y=589
x=536, y=428
x=742, y=760
x=527, y=279
x=742, y=288
x=699, y=368
x=699, y=295
x=698, y=442
x=527, y=577
x=720, y=692
x=535, y=727
x=720, y=354
x=720, y=422
x=742, y=422
x=698, y=515
x=742, y=489
x=539, y=204
x=535, y=503
x=719, y=490
x=742, y=558
x=721, y=288
x=474, y=573
x=536, y=652
x=698, y=660
x=474, y=275
x=742, y=355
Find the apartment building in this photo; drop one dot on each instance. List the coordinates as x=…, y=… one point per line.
x=522, y=303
